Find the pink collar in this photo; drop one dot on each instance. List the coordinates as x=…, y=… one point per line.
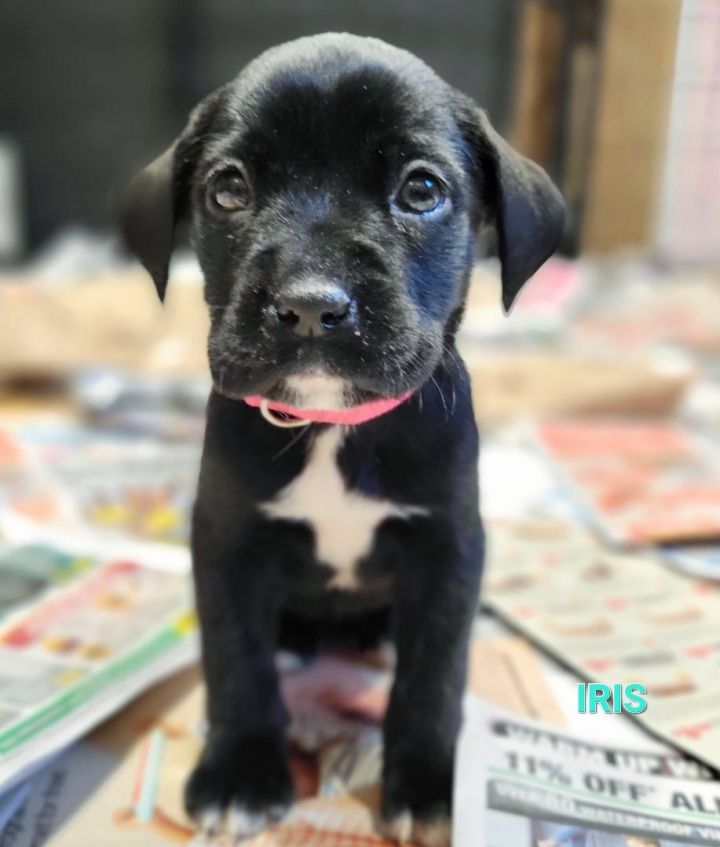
x=283, y=415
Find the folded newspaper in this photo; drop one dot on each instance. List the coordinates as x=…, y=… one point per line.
x=79, y=637
x=520, y=783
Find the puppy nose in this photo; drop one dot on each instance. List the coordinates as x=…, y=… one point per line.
x=312, y=307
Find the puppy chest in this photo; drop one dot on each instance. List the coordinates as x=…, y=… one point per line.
x=343, y=522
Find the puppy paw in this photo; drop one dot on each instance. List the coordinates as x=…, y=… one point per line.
x=239, y=787
x=416, y=799
x=236, y=823
x=405, y=828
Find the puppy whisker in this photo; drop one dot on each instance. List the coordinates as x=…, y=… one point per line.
x=442, y=396
x=293, y=441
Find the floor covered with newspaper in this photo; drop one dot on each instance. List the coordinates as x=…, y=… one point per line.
x=599, y=399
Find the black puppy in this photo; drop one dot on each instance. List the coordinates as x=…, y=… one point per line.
x=334, y=191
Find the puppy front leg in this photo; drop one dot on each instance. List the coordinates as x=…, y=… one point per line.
x=437, y=594
x=242, y=781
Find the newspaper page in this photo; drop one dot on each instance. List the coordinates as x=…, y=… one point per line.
x=615, y=617
x=520, y=783
x=639, y=482
x=79, y=637
x=100, y=484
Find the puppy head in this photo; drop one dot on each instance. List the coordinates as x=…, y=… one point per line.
x=334, y=191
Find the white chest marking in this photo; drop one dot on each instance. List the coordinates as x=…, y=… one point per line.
x=344, y=522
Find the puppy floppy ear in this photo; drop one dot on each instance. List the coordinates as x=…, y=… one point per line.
x=527, y=210
x=148, y=217
x=155, y=200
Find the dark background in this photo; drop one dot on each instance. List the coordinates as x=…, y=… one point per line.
x=92, y=89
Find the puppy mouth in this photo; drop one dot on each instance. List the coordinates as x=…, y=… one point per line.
x=318, y=377
x=312, y=390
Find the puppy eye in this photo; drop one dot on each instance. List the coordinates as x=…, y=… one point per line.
x=229, y=191
x=421, y=192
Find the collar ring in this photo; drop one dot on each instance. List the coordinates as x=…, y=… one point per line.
x=280, y=419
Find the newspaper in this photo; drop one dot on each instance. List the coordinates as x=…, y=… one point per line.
x=637, y=310
x=639, y=482
x=520, y=783
x=79, y=637
x=96, y=484
x=615, y=617
x=135, y=766
x=11, y=801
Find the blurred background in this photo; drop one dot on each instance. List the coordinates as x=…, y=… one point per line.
x=603, y=93
x=614, y=345
x=617, y=99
